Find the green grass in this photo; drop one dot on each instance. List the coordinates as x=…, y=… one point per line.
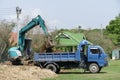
x=112, y=72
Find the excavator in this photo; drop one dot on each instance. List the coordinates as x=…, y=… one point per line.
x=17, y=53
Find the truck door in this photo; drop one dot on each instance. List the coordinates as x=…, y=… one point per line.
x=94, y=54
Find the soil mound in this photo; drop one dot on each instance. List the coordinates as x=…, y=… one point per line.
x=11, y=72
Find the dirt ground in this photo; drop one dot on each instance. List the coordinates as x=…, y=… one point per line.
x=10, y=72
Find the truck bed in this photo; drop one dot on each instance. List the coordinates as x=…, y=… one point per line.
x=64, y=56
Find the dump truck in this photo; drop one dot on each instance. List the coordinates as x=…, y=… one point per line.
x=88, y=57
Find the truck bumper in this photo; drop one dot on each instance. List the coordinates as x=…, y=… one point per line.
x=106, y=64
x=103, y=64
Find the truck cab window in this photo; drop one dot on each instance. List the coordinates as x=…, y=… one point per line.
x=95, y=51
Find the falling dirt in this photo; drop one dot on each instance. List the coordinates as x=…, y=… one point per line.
x=10, y=72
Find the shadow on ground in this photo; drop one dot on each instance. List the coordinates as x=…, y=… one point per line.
x=81, y=73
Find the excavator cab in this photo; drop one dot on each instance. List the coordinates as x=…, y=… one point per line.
x=27, y=51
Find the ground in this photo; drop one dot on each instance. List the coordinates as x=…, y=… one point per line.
x=7, y=72
x=10, y=72
x=111, y=72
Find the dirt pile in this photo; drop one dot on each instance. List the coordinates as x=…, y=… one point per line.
x=10, y=72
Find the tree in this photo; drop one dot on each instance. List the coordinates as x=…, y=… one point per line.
x=113, y=30
x=97, y=38
x=5, y=29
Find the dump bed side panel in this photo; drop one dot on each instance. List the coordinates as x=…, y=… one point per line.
x=41, y=57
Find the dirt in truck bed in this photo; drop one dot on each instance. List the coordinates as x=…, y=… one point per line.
x=23, y=72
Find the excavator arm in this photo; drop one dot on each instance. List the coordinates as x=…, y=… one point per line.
x=15, y=52
x=36, y=21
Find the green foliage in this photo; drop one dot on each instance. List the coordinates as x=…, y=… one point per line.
x=114, y=38
x=96, y=37
x=113, y=30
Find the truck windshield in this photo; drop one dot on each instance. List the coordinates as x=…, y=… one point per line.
x=102, y=50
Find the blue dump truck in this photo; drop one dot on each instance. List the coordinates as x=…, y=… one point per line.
x=89, y=57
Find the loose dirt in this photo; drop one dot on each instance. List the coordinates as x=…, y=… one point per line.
x=11, y=72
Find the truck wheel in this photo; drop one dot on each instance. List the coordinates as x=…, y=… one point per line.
x=52, y=67
x=94, y=68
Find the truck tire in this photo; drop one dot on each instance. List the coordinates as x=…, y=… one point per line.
x=52, y=67
x=16, y=61
x=94, y=68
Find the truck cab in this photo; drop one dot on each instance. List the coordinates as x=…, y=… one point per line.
x=93, y=56
x=97, y=54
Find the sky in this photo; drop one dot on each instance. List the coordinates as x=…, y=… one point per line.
x=67, y=14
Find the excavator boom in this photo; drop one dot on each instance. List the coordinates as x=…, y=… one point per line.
x=35, y=21
x=15, y=52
